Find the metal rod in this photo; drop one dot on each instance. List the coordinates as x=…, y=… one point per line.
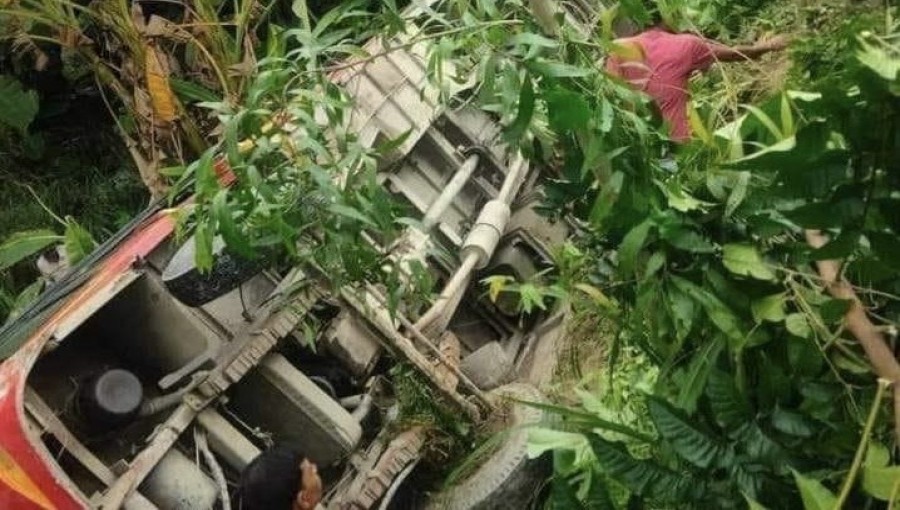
x=458, y=282
x=450, y=191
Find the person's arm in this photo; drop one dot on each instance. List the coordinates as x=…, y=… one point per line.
x=310, y=493
x=726, y=53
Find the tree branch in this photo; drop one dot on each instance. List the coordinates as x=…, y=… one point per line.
x=858, y=323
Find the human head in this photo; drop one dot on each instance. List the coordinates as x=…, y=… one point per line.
x=272, y=480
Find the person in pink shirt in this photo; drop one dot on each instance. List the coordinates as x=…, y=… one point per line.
x=660, y=62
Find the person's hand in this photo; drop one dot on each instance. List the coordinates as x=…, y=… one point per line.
x=774, y=43
x=310, y=487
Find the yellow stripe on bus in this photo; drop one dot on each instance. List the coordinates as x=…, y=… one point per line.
x=12, y=475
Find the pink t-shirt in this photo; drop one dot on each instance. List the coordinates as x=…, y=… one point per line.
x=668, y=62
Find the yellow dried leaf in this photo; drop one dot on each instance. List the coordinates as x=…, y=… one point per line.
x=161, y=96
x=628, y=51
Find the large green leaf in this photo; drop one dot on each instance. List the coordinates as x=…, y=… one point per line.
x=18, y=107
x=792, y=422
x=606, y=199
x=691, y=386
x=769, y=308
x=681, y=309
x=690, y=442
x=745, y=260
x=78, y=241
x=729, y=407
x=631, y=245
x=877, y=59
x=230, y=232
x=798, y=325
x=815, y=495
x=22, y=245
x=643, y=477
x=720, y=315
x=25, y=298
x=567, y=110
x=879, y=479
x=520, y=124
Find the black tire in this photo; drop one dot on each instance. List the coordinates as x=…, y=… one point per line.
x=193, y=288
x=507, y=479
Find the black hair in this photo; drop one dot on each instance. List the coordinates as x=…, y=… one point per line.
x=272, y=480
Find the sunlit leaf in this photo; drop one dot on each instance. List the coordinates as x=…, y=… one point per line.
x=22, y=245
x=745, y=260
x=770, y=308
x=78, y=241
x=877, y=59
x=878, y=479
x=497, y=284
x=797, y=325
x=815, y=495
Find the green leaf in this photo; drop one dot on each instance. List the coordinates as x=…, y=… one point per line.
x=720, y=315
x=879, y=479
x=792, y=422
x=557, y=70
x=744, y=259
x=766, y=121
x=643, y=477
x=834, y=310
x=688, y=441
x=301, y=10
x=497, y=284
x=18, y=107
x=531, y=297
x=22, y=245
x=526, y=111
x=203, y=247
x=738, y=193
x=687, y=239
x=606, y=199
x=695, y=381
x=231, y=234
x=25, y=298
x=877, y=59
x=390, y=146
x=631, y=245
x=568, y=111
x=886, y=247
x=352, y=213
x=189, y=91
x=840, y=247
x=542, y=440
x=78, y=241
x=822, y=215
x=797, y=325
x=769, y=308
x=729, y=407
x=815, y=495
x=591, y=421
x=679, y=199
x=596, y=295
x=207, y=183
x=682, y=311
x=752, y=504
